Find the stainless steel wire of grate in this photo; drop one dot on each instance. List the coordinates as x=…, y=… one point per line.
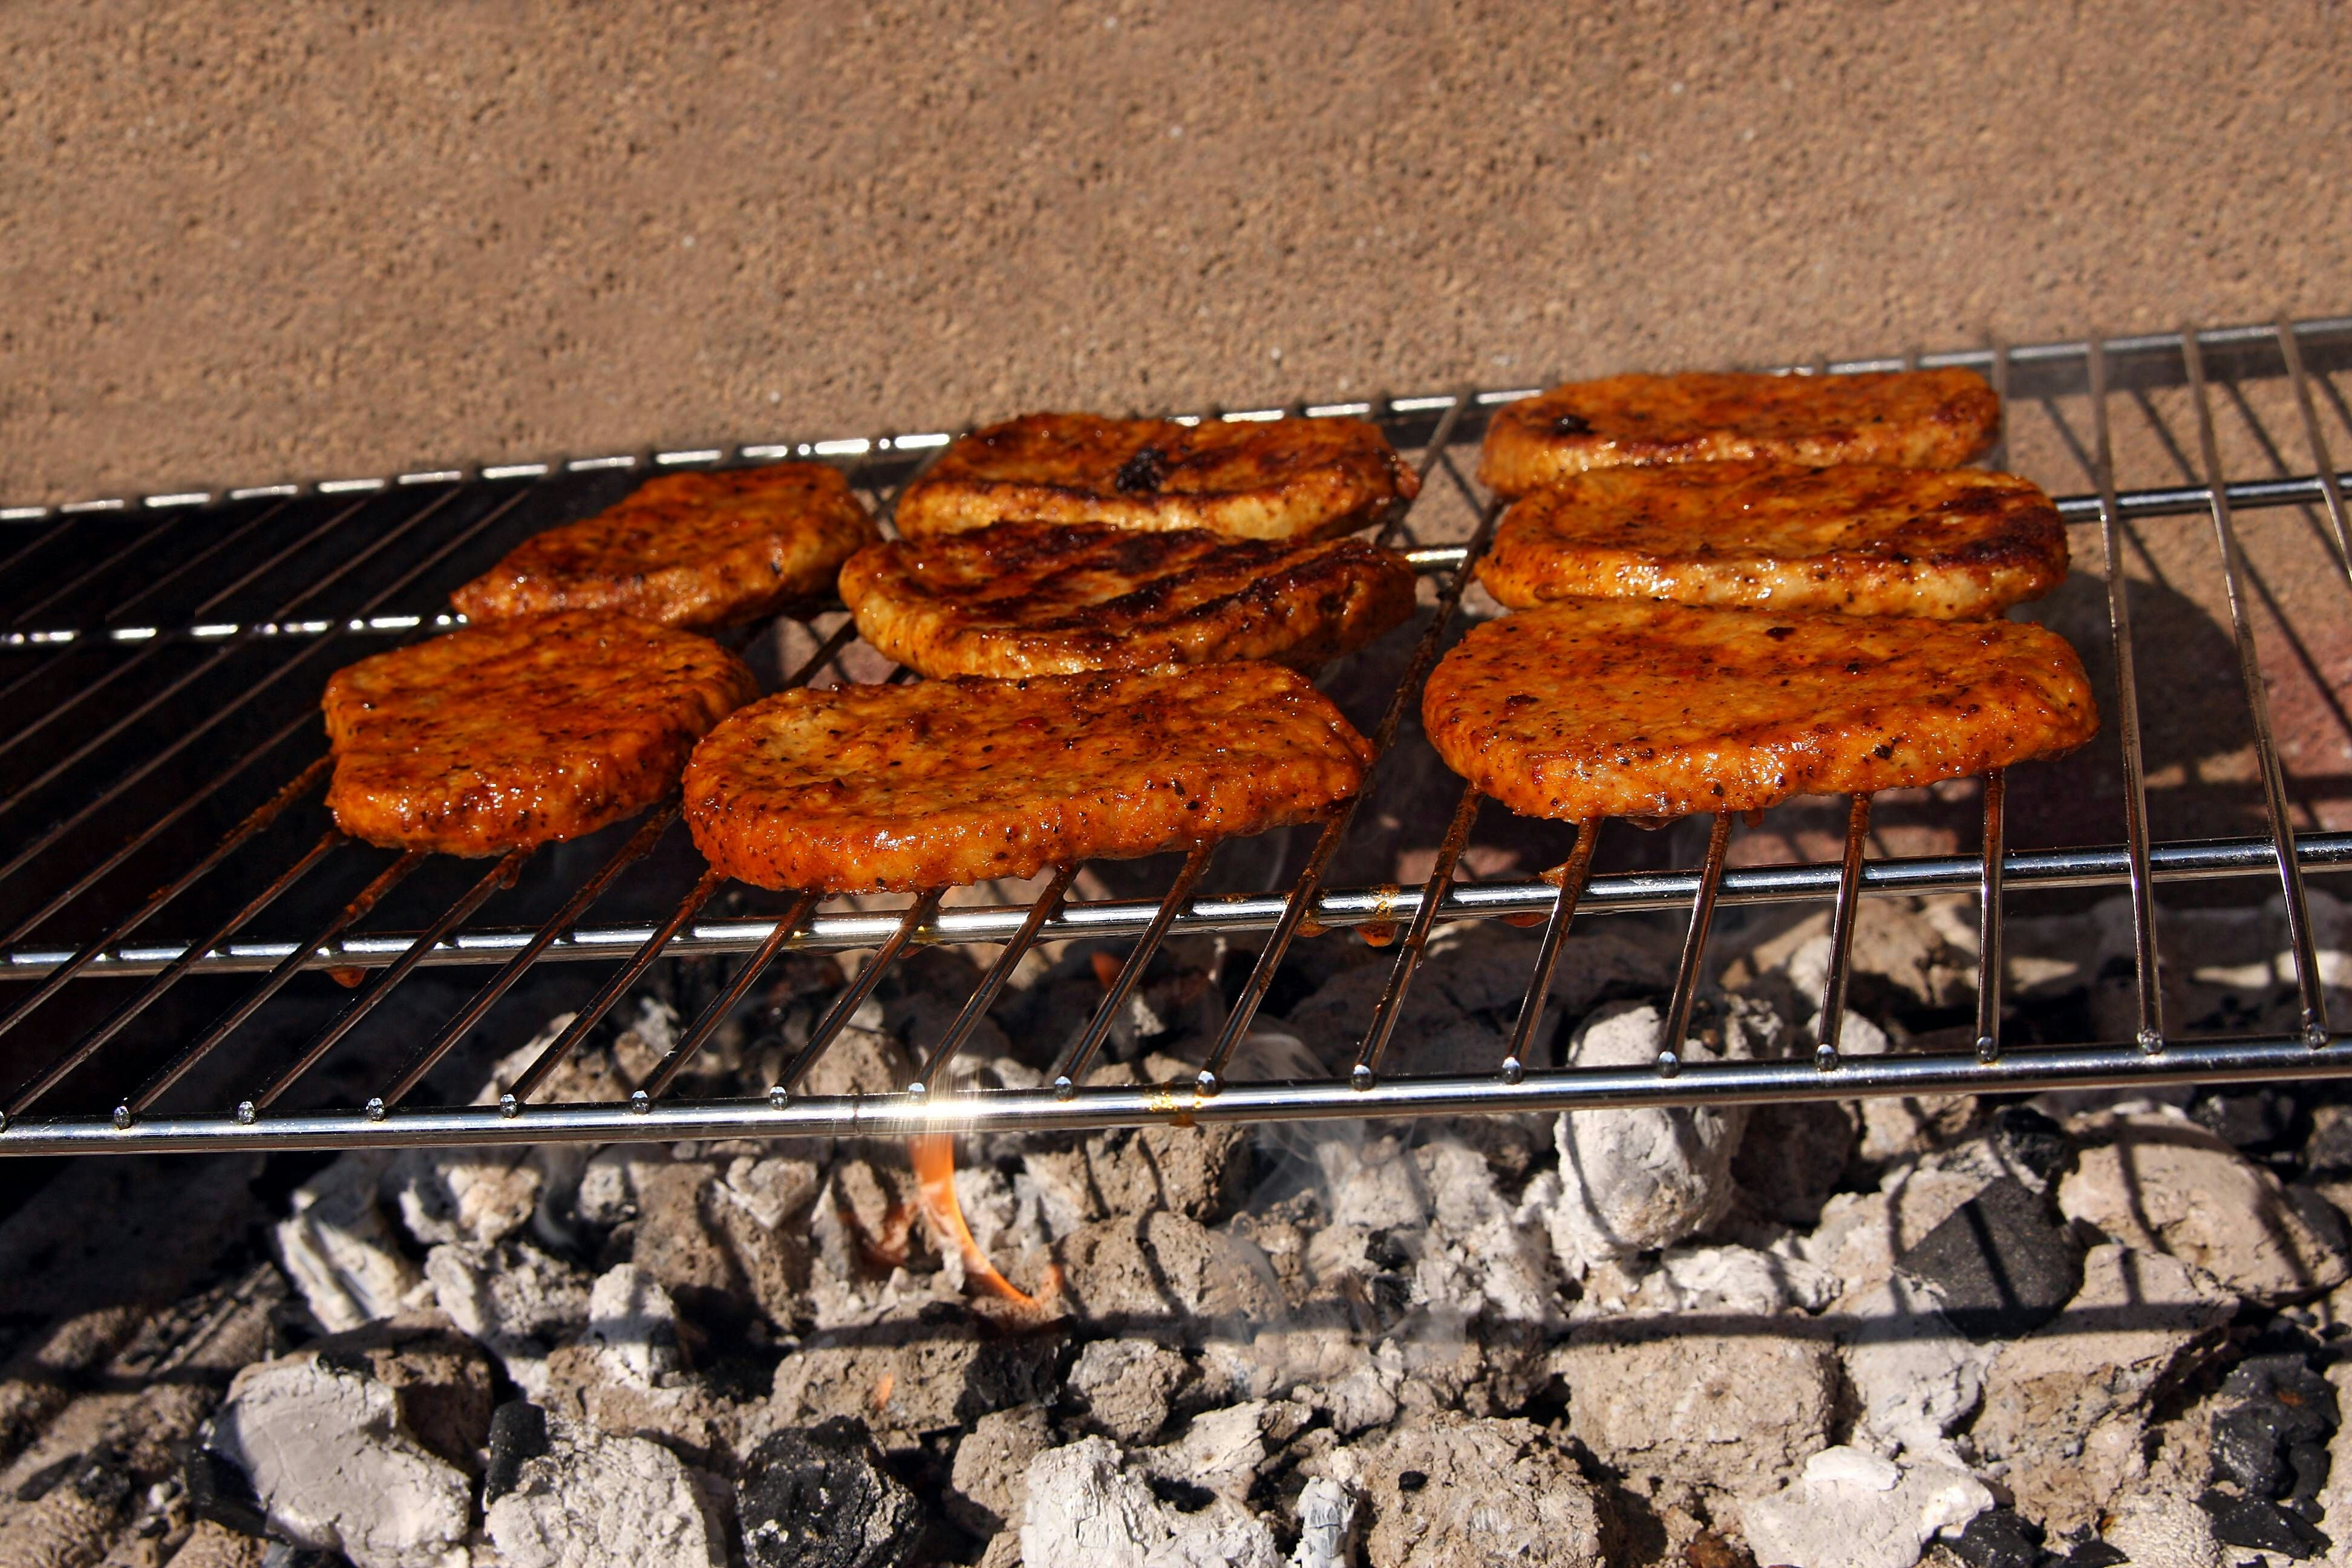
x=279, y=589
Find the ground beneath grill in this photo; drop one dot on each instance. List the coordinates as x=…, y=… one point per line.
x=350, y=241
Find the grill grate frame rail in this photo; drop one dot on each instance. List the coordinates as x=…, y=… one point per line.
x=1443, y=428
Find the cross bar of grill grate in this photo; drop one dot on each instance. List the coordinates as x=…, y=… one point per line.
x=1514, y=1083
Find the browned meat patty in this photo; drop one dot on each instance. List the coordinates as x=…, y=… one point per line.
x=1867, y=541
x=1042, y=598
x=520, y=732
x=1589, y=708
x=949, y=781
x=1908, y=419
x=699, y=549
x=1277, y=479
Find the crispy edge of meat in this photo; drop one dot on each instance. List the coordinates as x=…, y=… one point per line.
x=1916, y=419
x=788, y=529
x=1557, y=712
x=402, y=780
x=801, y=790
x=1133, y=473
x=1008, y=600
x=1968, y=543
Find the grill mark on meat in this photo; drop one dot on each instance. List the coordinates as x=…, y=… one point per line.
x=1283, y=479
x=951, y=782
x=1916, y=419
x=1047, y=598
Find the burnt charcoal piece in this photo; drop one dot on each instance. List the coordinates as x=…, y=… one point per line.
x=2002, y=1260
x=2265, y=1526
x=518, y=1434
x=1999, y=1538
x=819, y=1496
x=1793, y=1157
x=219, y=1491
x=2270, y=1434
x=2032, y=1141
x=2093, y=1554
x=2256, y=1119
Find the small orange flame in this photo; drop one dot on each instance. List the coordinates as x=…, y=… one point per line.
x=934, y=1160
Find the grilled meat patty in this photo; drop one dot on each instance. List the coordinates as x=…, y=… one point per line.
x=1042, y=598
x=1909, y=419
x=949, y=781
x=520, y=732
x=1277, y=478
x=1589, y=708
x=1866, y=540
x=699, y=549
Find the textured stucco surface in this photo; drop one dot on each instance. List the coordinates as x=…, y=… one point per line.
x=241, y=243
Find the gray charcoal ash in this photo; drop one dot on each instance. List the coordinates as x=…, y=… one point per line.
x=1853, y=1509
x=1087, y=1508
x=1327, y=1515
x=363, y=1443
x=1124, y=1386
x=517, y=1300
x=1164, y=1273
x=633, y=1322
x=1451, y=1491
x=1914, y=1377
x=2155, y=1180
x=822, y=1496
x=928, y=1366
x=1736, y=1412
x=1637, y=1179
x=989, y=1479
x=339, y=1249
x=464, y=1195
x=2064, y=1408
x=559, y=1494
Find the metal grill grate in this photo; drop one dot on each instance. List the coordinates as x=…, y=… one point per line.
x=160, y=662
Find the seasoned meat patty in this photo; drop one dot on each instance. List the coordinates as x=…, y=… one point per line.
x=1909, y=419
x=699, y=549
x=1867, y=541
x=1277, y=479
x=1589, y=708
x=522, y=732
x=948, y=782
x=1042, y=598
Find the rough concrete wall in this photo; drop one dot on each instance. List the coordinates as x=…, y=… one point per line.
x=244, y=243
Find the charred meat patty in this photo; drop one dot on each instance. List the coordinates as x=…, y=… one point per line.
x=1860, y=538
x=1277, y=479
x=948, y=782
x=700, y=548
x=520, y=732
x=1042, y=598
x=1906, y=419
x=1589, y=708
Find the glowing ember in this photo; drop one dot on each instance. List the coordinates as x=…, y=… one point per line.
x=934, y=1160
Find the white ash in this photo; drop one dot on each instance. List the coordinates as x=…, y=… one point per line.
x=339, y=1248
x=1085, y=1507
x=634, y=1323
x=1568, y=1340
x=1856, y=1510
x=593, y=1500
